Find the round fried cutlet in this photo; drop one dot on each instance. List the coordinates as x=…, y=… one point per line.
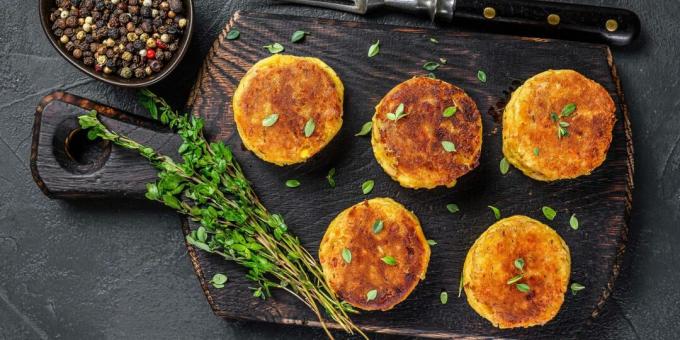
x=490, y=264
x=389, y=262
x=410, y=149
x=296, y=89
x=532, y=120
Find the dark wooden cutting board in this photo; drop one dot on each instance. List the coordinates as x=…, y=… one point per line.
x=601, y=200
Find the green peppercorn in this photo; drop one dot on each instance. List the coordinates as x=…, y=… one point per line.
x=125, y=72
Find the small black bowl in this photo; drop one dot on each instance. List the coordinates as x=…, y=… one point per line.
x=46, y=5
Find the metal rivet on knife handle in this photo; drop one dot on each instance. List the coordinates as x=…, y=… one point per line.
x=489, y=12
x=611, y=25
x=553, y=19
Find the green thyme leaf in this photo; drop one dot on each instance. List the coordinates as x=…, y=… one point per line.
x=331, y=177
x=444, y=297
x=292, y=183
x=298, y=36
x=573, y=222
x=400, y=109
x=371, y=295
x=496, y=212
x=434, y=41
x=233, y=34
x=448, y=146
x=575, y=287
x=346, y=255
x=432, y=242
x=549, y=212
x=523, y=287
x=536, y=151
x=553, y=117
x=367, y=186
x=505, y=166
x=218, y=280
x=270, y=120
x=201, y=234
x=449, y=111
x=562, y=132
x=515, y=279
x=378, y=226
x=374, y=49
x=452, y=208
x=443, y=61
x=564, y=124
x=568, y=109
x=274, y=48
x=398, y=113
x=389, y=260
x=481, y=75
x=431, y=66
x=309, y=127
x=519, y=264
x=365, y=129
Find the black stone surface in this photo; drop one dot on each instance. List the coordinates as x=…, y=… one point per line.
x=118, y=269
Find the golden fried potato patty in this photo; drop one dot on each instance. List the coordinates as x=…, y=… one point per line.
x=374, y=267
x=412, y=149
x=295, y=90
x=543, y=139
x=490, y=264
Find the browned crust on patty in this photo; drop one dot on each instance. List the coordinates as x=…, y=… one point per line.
x=410, y=149
x=490, y=264
x=527, y=125
x=401, y=238
x=297, y=89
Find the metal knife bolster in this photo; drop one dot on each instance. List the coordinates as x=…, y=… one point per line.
x=437, y=10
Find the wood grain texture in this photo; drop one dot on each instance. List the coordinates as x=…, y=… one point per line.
x=601, y=201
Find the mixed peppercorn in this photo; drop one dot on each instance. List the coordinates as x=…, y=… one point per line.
x=131, y=38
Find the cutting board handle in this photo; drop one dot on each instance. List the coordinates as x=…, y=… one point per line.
x=66, y=164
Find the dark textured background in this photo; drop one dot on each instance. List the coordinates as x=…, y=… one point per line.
x=116, y=269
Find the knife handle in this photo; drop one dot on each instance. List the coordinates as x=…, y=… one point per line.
x=608, y=25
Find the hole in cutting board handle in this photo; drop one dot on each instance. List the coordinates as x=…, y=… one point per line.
x=75, y=152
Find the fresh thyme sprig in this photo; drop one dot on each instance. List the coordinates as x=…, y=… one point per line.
x=210, y=188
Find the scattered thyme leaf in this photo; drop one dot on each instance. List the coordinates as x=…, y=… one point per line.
x=298, y=36
x=292, y=183
x=270, y=120
x=496, y=212
x=481, y=75
x=367, y=186
x=573, y=222
x=233, y=34
x=374, y=49
x=504, y=166
x=347, y=255
x=549, y=213
x=365, y=129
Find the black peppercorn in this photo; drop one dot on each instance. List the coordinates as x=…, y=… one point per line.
x=113, y=33
x=155, y=65
x=176, y=6
x=145, y=11
x=88, y=61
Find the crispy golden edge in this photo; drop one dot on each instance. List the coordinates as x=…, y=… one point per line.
x=326, y=252
x=524, y=161
x=282, y=59
x=389, y=163
x=487, y=311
